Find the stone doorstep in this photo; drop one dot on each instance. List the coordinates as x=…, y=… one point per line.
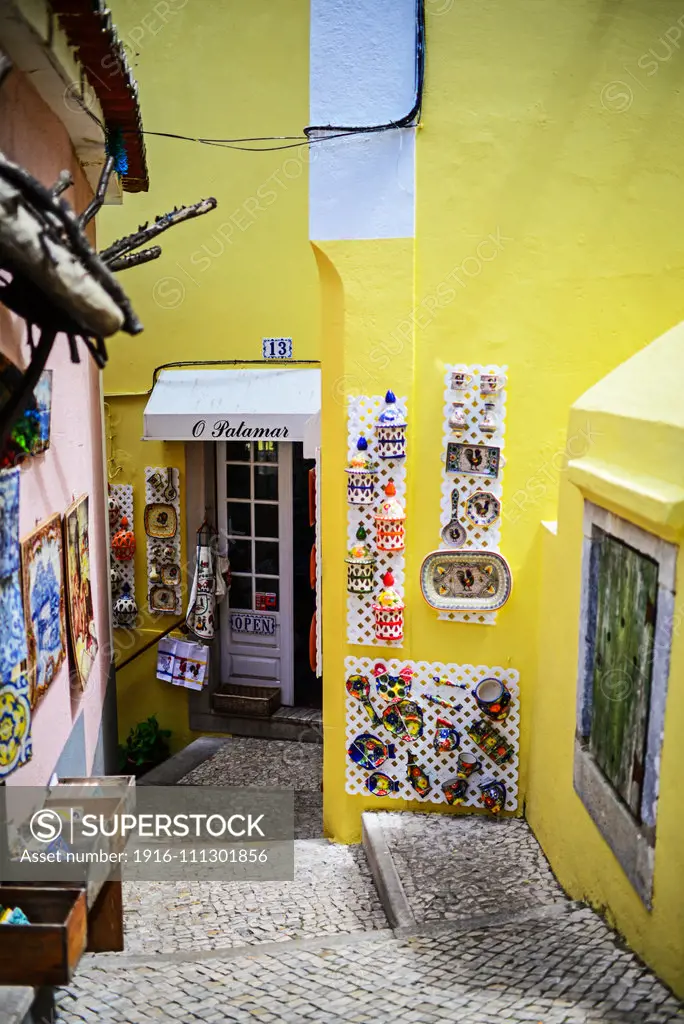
x=299, y=725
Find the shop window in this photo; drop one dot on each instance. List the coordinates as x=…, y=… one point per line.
x=626, y=626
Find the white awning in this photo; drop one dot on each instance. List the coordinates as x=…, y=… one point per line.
x=233, y=405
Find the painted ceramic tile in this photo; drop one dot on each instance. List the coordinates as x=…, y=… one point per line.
x=9, y=522
x=15, y=725
x=43, y=586
x=79, y=589
x=13, y=648
x=43, y=397
x=475, y=459
x=28, y=430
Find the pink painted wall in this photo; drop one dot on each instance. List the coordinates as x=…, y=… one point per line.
x=32, y=136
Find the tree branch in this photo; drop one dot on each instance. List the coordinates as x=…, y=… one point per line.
x=98, y=199
x=134, y=259
x=145, y=234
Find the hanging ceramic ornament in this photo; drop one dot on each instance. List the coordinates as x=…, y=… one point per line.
x=493, y=698
x=457, y=420
x=392, y=687
x=390, y=430
x=114, y=511
x=123, y=542
x=389, y=522
x=441, y=703
x=116, y=577
x=125, y=609
x=455, y=791
x=403, y=719
x=493, y=794
x=358, y=687
x=443, y=681
x=447, y=737
x=370, y=752
x=490, y=741
x=381, y=785
x=417, y=776
x=360, y=565
x=388, y=610
x=362, y=476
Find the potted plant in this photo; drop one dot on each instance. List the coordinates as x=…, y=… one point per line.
x=146, y=747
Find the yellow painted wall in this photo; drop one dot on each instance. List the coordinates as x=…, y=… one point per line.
x=549, y=238
x=634, y=467
x=246, y=271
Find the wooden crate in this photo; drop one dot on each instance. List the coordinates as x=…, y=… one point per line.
x=246, y=701
x=46, y=951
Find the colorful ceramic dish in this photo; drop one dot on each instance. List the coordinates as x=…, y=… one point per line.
x=358, y=687
x=161, y=520
x=403, y=719
x=369, y=752
x=381, y=785
x=482, y=508
x=454, y=534
x=170, y=575
x=475, y=459
x=162, y=599
x=454, y=581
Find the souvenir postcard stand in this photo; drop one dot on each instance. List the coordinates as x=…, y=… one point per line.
x=477, y=537
x=440, y=767
x=362, y=418
x=163, y=550
x=125, y=571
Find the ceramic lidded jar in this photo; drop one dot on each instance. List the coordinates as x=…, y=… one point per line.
x=388, y=610
x=390, y=430
x=123, y=543
x=125, y=610
x=360, y=565
x=362, y=476
x=389, y=522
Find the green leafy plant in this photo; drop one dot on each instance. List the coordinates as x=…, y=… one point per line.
x=146, y=746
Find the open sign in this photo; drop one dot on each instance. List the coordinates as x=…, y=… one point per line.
x=265, y=625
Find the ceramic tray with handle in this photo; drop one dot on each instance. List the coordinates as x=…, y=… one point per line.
x=465, y=580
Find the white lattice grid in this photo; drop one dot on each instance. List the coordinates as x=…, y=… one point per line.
x=362, y=416
x=156, y=547
x=481, y=537
x=123, y=496
x=440, y=767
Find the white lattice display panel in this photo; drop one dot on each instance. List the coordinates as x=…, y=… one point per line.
x=123, y=496
x=164, y=551
x=477, y=537
x=440, y=767
x=362, y=416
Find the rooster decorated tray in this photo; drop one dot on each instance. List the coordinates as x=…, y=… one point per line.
x=455, y=581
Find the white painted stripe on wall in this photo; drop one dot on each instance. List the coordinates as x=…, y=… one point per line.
x=363, y=71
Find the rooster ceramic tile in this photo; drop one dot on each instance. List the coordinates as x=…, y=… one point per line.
x=446, y=739
x=473, y=459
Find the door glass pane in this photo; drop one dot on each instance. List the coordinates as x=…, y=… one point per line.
x=238, y=481
x=239, y=519
x=266, y=482
x=266, y=557
x=267, y=594
x=237, y=451
x=241, y=592
x=240, y=555
x=265, y=451
x=265, y=520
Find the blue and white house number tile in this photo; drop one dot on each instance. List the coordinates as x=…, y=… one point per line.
x=276, y=348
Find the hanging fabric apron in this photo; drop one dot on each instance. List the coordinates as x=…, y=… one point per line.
x=208, y=590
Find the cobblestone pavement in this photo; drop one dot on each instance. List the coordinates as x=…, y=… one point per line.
x=480, y=865
x=332, y=893
x=270, y=764
x=565, y=969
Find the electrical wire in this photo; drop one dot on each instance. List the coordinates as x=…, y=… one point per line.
x=338, y=131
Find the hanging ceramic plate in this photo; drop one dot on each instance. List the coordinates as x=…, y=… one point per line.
x=474, y=459
x=162, y=599
x=482, y=508
x=454, y=534
x=463, y=581
x=404, y=719
x=161, y=520
x=170, y=575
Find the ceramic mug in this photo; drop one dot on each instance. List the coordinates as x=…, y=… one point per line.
x=455, y=791
x=493, y=698
x=156, y=481
x=460, y=381
x=490, y=383
x=467, y=765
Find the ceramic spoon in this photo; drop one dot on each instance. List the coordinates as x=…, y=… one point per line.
x=170, y=491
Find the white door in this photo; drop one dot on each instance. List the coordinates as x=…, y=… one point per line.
x=254, y=491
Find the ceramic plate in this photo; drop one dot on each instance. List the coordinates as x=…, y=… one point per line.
x=475, y=459
x=162, y=599
x=461, y=581
x=454, y=534
x=482, y=508
x=160, y=520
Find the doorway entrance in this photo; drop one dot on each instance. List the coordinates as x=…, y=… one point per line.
x=262, y=504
